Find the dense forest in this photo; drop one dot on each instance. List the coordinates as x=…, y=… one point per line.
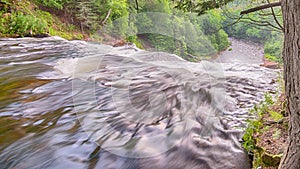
x=193, y=36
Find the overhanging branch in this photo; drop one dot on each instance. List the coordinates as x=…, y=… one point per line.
x=270, y=5
x=275, y=18
x=263, y=23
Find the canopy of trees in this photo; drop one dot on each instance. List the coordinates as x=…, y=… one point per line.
x=193, y=37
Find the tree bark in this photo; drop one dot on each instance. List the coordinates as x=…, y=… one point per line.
x=291, y=59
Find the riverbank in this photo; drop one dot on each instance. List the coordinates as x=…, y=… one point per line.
x=266, y=135
x=26, y=19
x=266, y=131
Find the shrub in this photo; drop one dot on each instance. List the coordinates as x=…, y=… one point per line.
x=21, y=24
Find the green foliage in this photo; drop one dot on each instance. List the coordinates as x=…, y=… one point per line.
x=272, y=58
x=219, y=40
x=86, y=15
x=3, y=23
x=191, y=36
x=249, y=140
x=273, y=48
x=57, y=4
x=119, y=9
x=276, y=116
x=187, y=35
x=212, y=27
x=246, y=29
x=200, y=6
x=134, y=39
x=255, y=125
x=265, y=113
x=22, y=24
x=91, y=15
x=155, y=6
x=19, y=24
x=19, y=20
x=23, y=18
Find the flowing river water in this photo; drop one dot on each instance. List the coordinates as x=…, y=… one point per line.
x=72, y=104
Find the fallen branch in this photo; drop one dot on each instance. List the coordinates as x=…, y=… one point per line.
x=106, y=17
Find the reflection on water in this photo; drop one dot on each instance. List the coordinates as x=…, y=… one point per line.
x=81, y=105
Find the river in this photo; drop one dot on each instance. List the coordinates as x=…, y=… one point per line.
x=73, y=104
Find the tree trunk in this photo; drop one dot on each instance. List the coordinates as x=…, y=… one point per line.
x=81, y=27
x=291, y=59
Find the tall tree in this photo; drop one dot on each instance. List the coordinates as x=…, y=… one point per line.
x=291, y=59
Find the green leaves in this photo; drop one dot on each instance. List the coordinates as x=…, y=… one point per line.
x=57, y=4
x=211, y=24
x=259, y=27
x=276, y=116
x=200, y=6
x=21, y=24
